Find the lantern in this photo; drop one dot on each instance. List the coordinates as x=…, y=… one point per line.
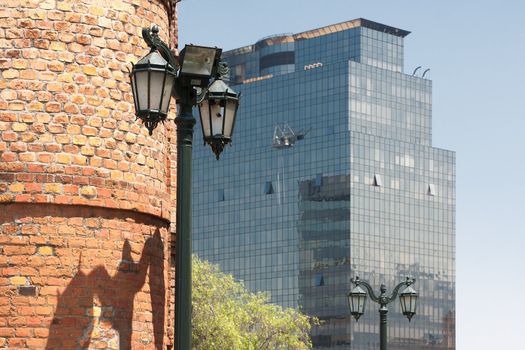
x=152, y=81
x=408, y=299
x=356, y=301
x=218, y=109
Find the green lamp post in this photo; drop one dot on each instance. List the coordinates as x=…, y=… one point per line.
x=155, y=79
x=407, y=298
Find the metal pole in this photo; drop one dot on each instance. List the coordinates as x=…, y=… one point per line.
x=382, y=327
x=383, y=311
x=185, y=122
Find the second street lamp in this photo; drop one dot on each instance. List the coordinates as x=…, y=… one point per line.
x=408, y=301
x=218, y=108
x=407, y=298
x=155, y=78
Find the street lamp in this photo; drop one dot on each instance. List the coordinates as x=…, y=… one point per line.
x=408, y=301
x=152, y=82
x=217, y=109
x=154, y=79
x=407, y=298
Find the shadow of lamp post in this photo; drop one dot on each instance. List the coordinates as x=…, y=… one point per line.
x=407, y=298
x=193, y=78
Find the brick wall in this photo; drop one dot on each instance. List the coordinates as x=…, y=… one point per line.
x=86, y=194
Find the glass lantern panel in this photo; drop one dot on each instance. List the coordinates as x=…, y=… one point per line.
x=362, y=300
x=142, y=89
x=230, y=111
x=204, y=109
x=353, y=306
x=217, y=118
x=355, y=301
x=168, y=88
x=413, y=303
x=402, y=301
x=156, y=89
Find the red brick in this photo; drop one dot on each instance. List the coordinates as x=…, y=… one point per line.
x=9, y=136
x=41, y=332
x=8, y=157
x=18, y=250
x=7, y=332
x=16, y=342
x=34, y=343
x=34, y=321
x=52, y=107
x=24, y=311
x=35, y=168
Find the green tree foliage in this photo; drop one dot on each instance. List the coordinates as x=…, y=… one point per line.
x=226, y=316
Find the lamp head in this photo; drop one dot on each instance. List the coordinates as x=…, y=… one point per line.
x=218, y=111
x=152, y=81
x=357, y=301
x=408, y=299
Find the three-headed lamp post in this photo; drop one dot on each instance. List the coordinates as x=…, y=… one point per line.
x=194, y=78
x=407, y=298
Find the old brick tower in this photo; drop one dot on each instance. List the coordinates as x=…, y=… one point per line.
x=86, y=195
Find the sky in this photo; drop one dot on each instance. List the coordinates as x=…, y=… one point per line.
x=476, y=52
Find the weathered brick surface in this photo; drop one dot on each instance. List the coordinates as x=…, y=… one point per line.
x=66, y=109
x=86, y=195
x=82, y=277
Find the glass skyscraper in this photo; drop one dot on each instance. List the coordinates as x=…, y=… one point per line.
x=332, y=174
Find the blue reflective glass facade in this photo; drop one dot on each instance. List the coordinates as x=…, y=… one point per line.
x=332, y=174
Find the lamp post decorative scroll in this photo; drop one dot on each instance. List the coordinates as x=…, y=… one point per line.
x=357, y=301
x=155, y=79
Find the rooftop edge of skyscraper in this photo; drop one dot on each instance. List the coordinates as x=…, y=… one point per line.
x=309, y=34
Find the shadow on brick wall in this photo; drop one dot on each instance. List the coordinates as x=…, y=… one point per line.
x=100, y=311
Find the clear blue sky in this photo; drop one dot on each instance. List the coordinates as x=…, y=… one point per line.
x=476, y=52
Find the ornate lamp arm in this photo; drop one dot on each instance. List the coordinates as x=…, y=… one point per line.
x=406, y=283
x=222, y=72
x=368, y=287
x=151, y=37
